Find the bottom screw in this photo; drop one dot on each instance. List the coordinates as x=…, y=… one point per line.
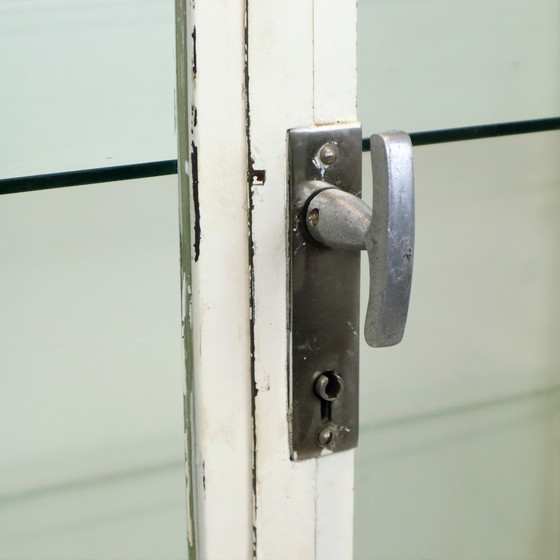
x=325, y=436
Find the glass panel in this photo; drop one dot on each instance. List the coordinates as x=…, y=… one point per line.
x=91, y=420
x=444, y=64
x=460, y=424
x=85, y=83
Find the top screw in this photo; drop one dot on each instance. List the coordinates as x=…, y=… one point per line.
x=328, y=154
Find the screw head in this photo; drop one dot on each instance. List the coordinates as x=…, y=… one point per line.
x=328, y=154
x=314, y=216
x=325, y=436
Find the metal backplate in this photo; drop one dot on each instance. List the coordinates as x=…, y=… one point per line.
x=325, y=290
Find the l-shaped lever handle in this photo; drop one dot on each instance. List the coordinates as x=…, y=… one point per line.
x=341, y=220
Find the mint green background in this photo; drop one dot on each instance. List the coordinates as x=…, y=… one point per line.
x=458, y=458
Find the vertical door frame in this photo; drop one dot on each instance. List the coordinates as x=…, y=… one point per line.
x=247, y=72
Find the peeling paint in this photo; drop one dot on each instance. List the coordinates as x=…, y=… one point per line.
x=254, y=178
x=193, y=35
x=184, y=12
x=196, y=202
x=194, y=117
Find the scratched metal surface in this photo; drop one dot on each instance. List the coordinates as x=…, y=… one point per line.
x=325, y=301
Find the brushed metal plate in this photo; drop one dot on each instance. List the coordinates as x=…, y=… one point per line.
x=324, y=304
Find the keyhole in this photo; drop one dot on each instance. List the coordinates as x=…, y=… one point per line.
x=328, y=387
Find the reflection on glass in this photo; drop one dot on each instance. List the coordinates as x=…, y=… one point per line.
x=444, y=64
x=459, y=453
x=85, y=84
x=91, y=423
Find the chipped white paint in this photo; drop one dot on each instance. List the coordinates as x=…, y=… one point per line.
x=281, y=97
x=240, y=298
x=213, y=34
x=335, y=61
x=302, y=72
x=335, y=506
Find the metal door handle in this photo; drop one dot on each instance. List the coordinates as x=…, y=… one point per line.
x=341, y=220
x=328, y=227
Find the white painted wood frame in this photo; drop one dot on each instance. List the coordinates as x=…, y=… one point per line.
x=252, y=70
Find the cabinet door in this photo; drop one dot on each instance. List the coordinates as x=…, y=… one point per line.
x=457, y=423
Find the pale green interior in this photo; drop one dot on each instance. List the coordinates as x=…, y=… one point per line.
x=460, y=424
x=459, y=452
x=449, y=63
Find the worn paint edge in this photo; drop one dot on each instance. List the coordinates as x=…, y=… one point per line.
x=185, y=69
x=250, y=253
x=255, y=177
